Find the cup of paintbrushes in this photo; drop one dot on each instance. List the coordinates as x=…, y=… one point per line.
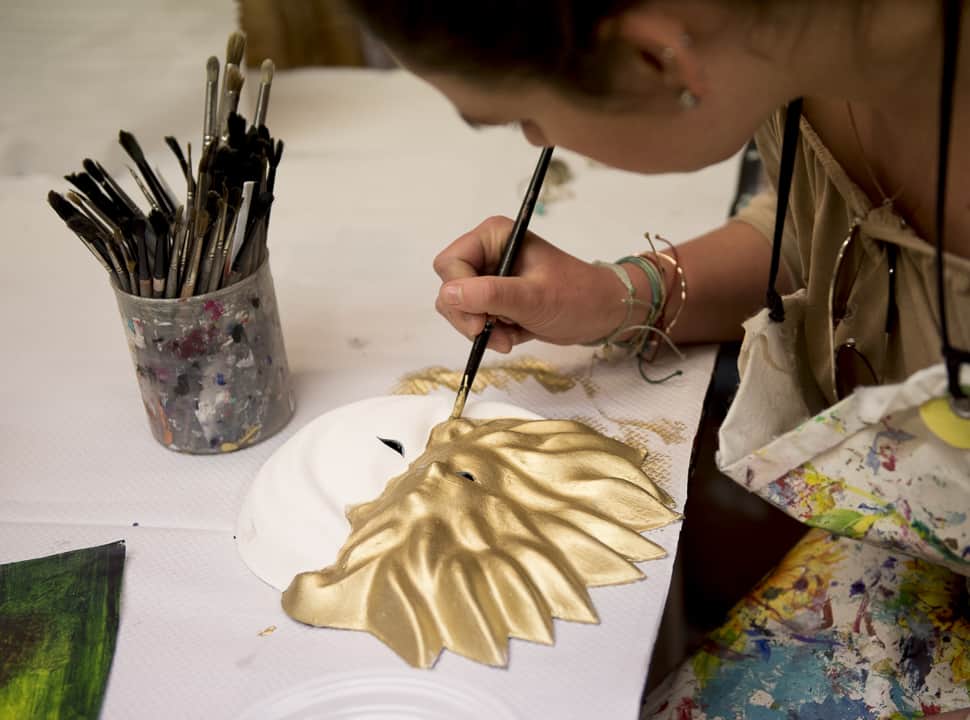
x=192, y=277
x=211, y=368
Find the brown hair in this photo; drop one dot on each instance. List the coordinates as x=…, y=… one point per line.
x=556, y=41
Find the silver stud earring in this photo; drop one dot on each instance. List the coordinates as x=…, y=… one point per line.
x=688, y=100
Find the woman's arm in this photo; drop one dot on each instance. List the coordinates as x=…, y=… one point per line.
x=560, y=299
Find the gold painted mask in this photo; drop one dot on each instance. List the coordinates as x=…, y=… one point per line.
x=497, y=528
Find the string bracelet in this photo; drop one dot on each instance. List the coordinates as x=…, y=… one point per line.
x=631, y=301
x=609, y=345
x=673, y=259
x=654, y=332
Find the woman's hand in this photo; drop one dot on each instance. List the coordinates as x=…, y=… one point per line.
x=551, y=296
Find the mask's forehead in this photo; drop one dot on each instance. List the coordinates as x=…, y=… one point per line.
x=293, y=519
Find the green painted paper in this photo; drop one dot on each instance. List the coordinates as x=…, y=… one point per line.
x=58, y=625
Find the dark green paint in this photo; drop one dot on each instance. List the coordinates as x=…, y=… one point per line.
x=58, y=625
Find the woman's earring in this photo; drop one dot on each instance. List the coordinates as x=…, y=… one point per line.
x=688, y=100
x=669, y=58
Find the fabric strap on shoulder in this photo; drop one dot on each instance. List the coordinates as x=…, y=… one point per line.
x=789, y=145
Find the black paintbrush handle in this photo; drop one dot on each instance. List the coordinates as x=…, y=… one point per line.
x=511, y=250
x=506, y=263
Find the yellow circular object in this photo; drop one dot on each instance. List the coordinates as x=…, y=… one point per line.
x=938, y=415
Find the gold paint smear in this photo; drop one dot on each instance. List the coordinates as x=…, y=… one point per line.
x=672, y=432
x=499, y=376
x=496, y=529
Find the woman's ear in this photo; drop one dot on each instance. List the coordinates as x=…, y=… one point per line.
x=662, y=51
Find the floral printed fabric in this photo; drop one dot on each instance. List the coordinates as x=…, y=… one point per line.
x=841, y=629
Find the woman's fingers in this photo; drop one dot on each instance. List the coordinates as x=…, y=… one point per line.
x=504, y=337
x=476, y=252
x=515, y=299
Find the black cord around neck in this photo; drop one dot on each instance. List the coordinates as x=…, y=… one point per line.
x=793, y=117
x=952, y=17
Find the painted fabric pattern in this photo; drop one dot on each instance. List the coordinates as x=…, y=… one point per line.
x=868, y=467
x=839, y=629
x=58, y=627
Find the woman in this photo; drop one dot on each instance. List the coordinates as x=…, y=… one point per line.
x=675, y=85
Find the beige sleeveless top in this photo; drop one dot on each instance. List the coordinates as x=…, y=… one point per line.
x=824, y=203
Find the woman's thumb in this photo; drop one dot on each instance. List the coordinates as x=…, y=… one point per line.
x=512, y=298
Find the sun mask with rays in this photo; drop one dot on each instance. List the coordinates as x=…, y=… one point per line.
x=499, y=527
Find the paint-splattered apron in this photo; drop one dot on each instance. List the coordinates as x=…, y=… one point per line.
x=868, y=467
x=868, y=616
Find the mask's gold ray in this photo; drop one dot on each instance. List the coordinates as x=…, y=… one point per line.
x=525, y=612
x=497, y=528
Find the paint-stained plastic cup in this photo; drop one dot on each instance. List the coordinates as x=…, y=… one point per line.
x=212, y=368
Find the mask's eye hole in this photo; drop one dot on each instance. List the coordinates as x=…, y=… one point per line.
x=395, y=445
x=466, y=475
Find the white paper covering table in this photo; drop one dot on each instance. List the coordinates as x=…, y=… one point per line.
x=378, y=175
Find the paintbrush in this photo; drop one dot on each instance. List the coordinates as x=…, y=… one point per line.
x=210, y=116
x=108, y=232
x=230, y=99
x=83, y=182
x=235, y=49
x=176, y=149
x=152, y=200
x=259, y=211
x=160, y=264
x=167, y=189
x=85, y=230
x=131, y=146
x=509, y=254
x=179, y=231
x=108, y=182
x=274, y=165
x=97, y=174
x=218, y=235
x=216, y=206
x=211, y=267
x=140, y=230
x=265, y=86
x=239, y=227
x=192, y=267
x=82, y=227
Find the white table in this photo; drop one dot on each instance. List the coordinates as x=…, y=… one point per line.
x=378, y=175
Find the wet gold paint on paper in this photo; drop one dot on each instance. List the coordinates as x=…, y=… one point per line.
x=498, y=375
x=499, y=527
x=638, y=432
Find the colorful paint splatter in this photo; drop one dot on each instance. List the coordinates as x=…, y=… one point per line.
x=841, y=629
x=871, y=469
x=58, y=624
